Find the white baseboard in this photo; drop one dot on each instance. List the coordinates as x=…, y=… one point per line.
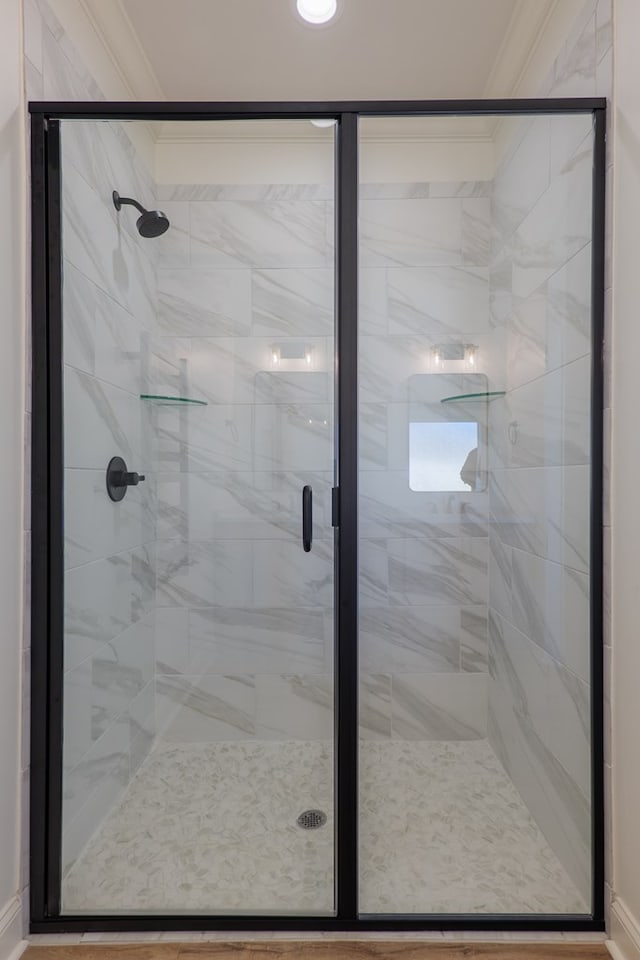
x=625, y=933
x=11, y=942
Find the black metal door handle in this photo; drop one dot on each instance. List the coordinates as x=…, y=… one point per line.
x=307, y=518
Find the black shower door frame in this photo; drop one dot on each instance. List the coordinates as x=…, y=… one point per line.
x=47, y=567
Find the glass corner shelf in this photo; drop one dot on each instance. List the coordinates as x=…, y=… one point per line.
x=167, y=401
x=486, y=397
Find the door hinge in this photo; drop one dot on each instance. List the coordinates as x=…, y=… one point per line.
x=335, y=506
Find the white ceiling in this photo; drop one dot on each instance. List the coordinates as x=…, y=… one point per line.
x=386, y=49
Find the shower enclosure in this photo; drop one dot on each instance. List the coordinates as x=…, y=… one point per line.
x=317, y=507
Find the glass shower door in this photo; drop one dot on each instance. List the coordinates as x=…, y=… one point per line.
x=198, y=597
x=475, y=514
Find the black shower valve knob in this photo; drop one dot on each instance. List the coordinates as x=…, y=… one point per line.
x=119, y=478
x=132, y=479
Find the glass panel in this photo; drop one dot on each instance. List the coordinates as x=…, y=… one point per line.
x=198, y=686
x=475, y=275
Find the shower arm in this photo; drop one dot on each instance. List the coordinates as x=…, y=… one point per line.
x=119, y=201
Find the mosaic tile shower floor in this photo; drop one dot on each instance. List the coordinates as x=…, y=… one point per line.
x=212, y=828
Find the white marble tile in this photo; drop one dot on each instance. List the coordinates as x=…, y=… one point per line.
x=410, y=232
x=253, y=192
x=204, y=302
x=604, y=76
x=373, y=574
x=574, y=68
x=390, y=508
x=102, y=686
x=476, y=230
x=294, y=707
x=142, y=727
x=171, y=640
x=173, y=246
x=93, y=812
x=80, y=298
x=283, y=575
x=566, y=133
x=203, y=573
x=437, y=571
x=373, y=303
x=103, y=769
x=604, y=32
x=101, y=422
x=205, y=708
x=295, y=387
x=401, y=639
x=292, y=303
x=240, y=506
x=120, y=671
x=556, y=228
x=555, y=802
x=241, y=370
x=551, y=606
x=388, y=363
x=214, y=438
x=105, y=157
x=269, y=234
x=524, y=504
x=473, y=639
x=523, y=177
x=33, y=34
x=526, y=341
x=64, y=79
x=568, y=526
x=439, y=300
x=33, y=81
x=269, y=640
x=105, y=597
x=374, y=706
x=500, y=576
x=293, y=437
x=372, y=436
x=448, y=706
x=568, y=334
x=552, y=418
x=95, y=526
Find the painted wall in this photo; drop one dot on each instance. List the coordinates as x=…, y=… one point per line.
x=12, y=283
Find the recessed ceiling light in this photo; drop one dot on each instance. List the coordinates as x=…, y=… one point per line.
x=317, y=11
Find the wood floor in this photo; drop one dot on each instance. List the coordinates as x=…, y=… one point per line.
x=322, y=950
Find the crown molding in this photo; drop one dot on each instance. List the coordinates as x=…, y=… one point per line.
x=112, y=25
x=526, y=28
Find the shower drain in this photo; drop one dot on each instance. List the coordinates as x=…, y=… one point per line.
x=312, y=819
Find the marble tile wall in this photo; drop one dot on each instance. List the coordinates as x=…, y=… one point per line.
x=244, y=618
x=109, y=315
x=539, y=486
x=424, y=281
x=245, y=313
